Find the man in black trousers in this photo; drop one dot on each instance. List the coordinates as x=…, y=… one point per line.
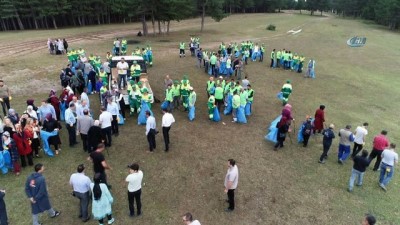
x=3, y=211
x=167, y=121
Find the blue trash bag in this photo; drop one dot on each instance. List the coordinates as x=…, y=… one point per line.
x=210, y=70
x=228, y=108
x=273, y=131
x=142, y=115
x=216, y=117
x=280, y=96
x=63, y=107
x=89, y=87
x=241, y=118
x=121, y=120
x=45, y=138
x=3, y=167
x=192, y=113
x=247, y=109
x=165, y=105
x=222, y=68
x=254, y=56
x=300, y=138
x=237, y=54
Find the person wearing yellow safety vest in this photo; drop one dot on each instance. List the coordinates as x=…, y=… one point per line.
x=210, y=86
x=211, y=106
x=219, y=96
x=296, y=61
x=243, y=97
x=185, y=94
x=135, y=97
x=109, y=56
x=176, y=94
x=169, y=97
x=250, y=96
x=146, y=97
x=103, y=75
x=182, y=49
x=273, y=60
x=235, y=105
x=135, y=71
x=124, y=46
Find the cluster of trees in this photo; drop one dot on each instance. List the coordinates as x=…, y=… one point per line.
x=46, y=14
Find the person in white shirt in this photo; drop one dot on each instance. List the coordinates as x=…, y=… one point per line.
x=151, y=131
x=359, y=139
x=105, y=119
x=134, y=180
x=167, y=120
x=188, y=219
x=231, y=182
x=389, y=159
x=81, y=186
x=85, y=97
x=113, y=108
x=122, y=67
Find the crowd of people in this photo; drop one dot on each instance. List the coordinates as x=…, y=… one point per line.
x=57, y=46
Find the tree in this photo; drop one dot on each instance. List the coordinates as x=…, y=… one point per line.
x=300, y=5
x=213, y=8
x=388, y=13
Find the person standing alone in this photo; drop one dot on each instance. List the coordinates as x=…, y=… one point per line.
x=81, y=186
x=231, y=183
x=134, y=180
x=167, y=121
x=5, y=97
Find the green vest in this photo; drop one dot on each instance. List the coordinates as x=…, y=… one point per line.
x=250, y=95
x=243, y=98
x=236, y=101
x=210, y=84
x=168, y=95
x=182, y=45
x=176, y=90
x=219, y=93
x=272, y=55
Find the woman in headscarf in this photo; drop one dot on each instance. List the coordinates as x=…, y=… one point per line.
x=283, y=128
x=13, y=116
x=55, y=102
x=49, y=125
x=32, y=130
x=287, y=112
x=22, y=140
x=9, y=145
x=31, y=102
x=102, y=200
x=8, y=126
x=32, y=113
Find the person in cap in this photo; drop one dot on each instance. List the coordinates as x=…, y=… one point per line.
x=134, y=180
x=319, y=119
x=80, y=184
x=211, y=106
x=306, y=128
x=329, y=135
x=36, y=191
x=185, y=85
x=10, y=145
x=286, y=92
x=357, y=172
x=369, y=220
x=135, y=97
x=346, y=137
x=135, y=71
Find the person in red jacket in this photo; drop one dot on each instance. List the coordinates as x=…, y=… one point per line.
x=319, y=119
x=22, y=141
x=55, y=102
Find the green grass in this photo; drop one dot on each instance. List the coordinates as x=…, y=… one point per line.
x=285, y=187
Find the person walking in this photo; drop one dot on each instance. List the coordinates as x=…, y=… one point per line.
x=84, y=123
x=231, y=183
x=101, y=201
x=306, y=130
x=167, y=121
x=36, y=191
x=346, y=137
x=151, y=131
x=3, y=210
x=359, y=138
x=188, y=219
x=134, y=180
x=81, y=190
x=5, y=97
x=112, y=108
x=389, y=159
x=70, y=123
x=380, y=143
x=99, y=163
x=105, y=120
x=329, y=135
x=319, y=119
x=360, y=165
x=94, y=136
x=283, y=129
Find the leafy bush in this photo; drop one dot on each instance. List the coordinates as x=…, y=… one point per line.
x=271, y=27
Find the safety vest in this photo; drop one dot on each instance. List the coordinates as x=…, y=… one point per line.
x=103, y=90
x=185, y=89
x=210, y=84
x=278, y=55
x=182, y=45
x=219, y=93
x=168, y=95
x=146, y=98
x=272, y=55
x=135, y=70
x=243, y=98
x=250, y=95
x=176, y=90
x=102, y=74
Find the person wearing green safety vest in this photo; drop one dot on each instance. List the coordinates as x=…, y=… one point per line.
x=235, y=105
x=219, y=96
x=273, y=64
x=124, y=46
x=213, y=63
x=135, y=97
x=103, y=75
x=243, y=97
x=211, y=106
x=246, y=55
x=146, y=97
x=176, y=94
x=210, y=86
x=262, y=51
x=286, y=92
x=135, y=71
x=185, y=94
x=182, y=49
x=185, y=79
x=169, y=97
x=192, y=97
x=250, y=96
x=278, y=58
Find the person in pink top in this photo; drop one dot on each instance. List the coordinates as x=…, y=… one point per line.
x=380, y=143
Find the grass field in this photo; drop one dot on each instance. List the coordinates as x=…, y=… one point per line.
x=286, y=187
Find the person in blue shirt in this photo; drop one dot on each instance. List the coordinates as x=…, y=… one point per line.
x=70, y=123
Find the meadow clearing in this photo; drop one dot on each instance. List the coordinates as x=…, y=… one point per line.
x=286, y=187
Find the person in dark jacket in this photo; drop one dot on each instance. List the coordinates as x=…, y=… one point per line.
x=307, y=130
x=360, y=165
x=36, y=191
x=49, y=125
x=283, y=128
x=3, y=210
x=94, y=136
x=327, y=142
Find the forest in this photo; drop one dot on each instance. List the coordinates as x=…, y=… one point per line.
x=54, y=14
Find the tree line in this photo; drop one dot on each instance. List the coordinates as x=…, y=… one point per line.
x=52, y=14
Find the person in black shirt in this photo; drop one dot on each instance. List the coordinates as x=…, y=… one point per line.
x=283, y=128
x=360, y=165
x=99, y=163
x=327, y=142
x=95, y=136
x=3, y=211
